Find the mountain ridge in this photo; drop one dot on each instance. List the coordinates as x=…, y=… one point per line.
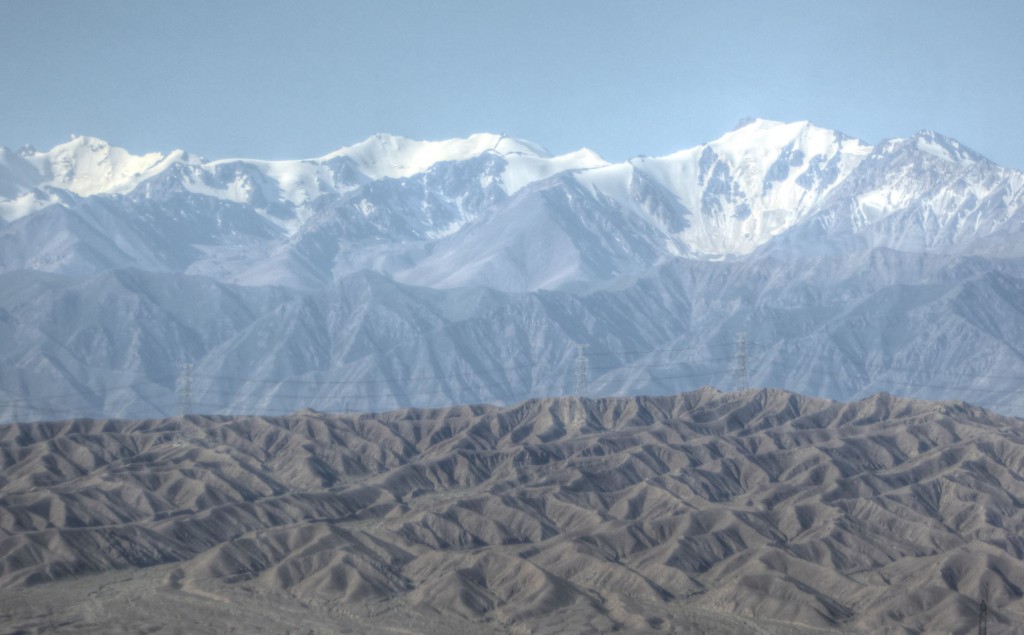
x=854, y=268
x=723, y=199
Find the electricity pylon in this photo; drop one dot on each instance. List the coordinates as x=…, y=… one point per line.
x=742, y=375
x=582, y=387
x=582, y=372
x=185, y=389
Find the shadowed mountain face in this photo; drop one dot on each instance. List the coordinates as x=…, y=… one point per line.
x=925, y=325
x=755, y=511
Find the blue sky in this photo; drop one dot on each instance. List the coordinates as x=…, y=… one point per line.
x=298, y=79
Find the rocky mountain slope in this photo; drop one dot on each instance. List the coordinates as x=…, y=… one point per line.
x=748, y=512
x=397, y=272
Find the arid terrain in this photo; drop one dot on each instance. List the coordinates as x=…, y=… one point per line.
x=759, y=511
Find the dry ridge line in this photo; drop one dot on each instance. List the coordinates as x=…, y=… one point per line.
x=759, y=511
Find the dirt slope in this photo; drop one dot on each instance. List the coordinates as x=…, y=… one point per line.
x=750, y=512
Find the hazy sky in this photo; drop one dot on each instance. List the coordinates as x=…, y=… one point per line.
x=224, y=78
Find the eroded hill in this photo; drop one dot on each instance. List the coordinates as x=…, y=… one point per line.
x=756, y=511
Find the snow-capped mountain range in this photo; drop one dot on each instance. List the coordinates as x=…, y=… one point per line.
x=370, y=263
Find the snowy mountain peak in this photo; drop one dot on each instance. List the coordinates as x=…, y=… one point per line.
x=945, y=148
x=87, y=166
x=732, y=195
x=932, y=144
x=725, y=198
x=390, y=156
x=764, y=138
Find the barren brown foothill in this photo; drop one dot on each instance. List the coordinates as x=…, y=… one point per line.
x=759, y=511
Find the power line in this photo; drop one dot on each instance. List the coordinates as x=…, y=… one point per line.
x=473, y=373
x=534, y=384
x=430, y=392
x=106, y=389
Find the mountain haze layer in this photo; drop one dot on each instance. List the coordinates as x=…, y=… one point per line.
x=398, y=272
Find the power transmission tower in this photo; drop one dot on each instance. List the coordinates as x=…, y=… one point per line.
x=582, y=372
x=16, y=413
x=185, y=389
x=742, y=376
x=582, y=386
x=983, y=618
